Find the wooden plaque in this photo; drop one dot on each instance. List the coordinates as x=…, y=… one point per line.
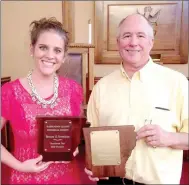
x=59, y=136
x=108, y=168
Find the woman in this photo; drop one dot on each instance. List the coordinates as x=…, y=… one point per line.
x=40, y=92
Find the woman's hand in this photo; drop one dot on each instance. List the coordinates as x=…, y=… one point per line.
x=75, y=153
x=34, y=165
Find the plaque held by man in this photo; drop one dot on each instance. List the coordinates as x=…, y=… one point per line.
x=59, y=136
x=108, y=148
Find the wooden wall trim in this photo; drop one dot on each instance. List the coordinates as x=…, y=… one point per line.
x=96, y=79
x=5, y=79
x=5, y=136
x=68, y=18
x=184, y=33
x=81, y=45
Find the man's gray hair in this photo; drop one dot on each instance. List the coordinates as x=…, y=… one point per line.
x=151, y=32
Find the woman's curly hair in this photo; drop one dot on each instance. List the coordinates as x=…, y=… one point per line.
x=44, y=24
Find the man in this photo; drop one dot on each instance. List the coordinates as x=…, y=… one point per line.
x=149, y=96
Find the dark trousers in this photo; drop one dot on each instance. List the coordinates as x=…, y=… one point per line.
x=117, y=181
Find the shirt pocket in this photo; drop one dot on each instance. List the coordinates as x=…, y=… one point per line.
x=165, y=118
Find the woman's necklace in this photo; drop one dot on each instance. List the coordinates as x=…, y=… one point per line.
x=36, y=97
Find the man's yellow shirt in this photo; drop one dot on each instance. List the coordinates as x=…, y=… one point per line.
x=118, y=100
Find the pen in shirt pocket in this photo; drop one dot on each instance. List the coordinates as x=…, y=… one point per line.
x=162, y=108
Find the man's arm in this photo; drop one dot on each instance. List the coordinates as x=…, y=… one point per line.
x=179, y=141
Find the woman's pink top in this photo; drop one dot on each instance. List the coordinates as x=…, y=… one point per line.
x=18, y=107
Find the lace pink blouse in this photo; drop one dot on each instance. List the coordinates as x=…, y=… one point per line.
x=20, y=110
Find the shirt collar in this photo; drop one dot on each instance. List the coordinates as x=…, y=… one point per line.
x=143, y=74
x=124, y=74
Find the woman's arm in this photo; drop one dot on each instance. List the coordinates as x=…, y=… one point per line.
x=6, y=157
x=31, y=165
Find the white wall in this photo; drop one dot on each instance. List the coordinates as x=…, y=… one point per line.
x=15, y=19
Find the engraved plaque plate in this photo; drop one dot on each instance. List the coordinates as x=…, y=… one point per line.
x=57, y=136
x=105, y=147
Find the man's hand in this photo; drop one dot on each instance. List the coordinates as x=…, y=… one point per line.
x=154, y=136
x=92, y=178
